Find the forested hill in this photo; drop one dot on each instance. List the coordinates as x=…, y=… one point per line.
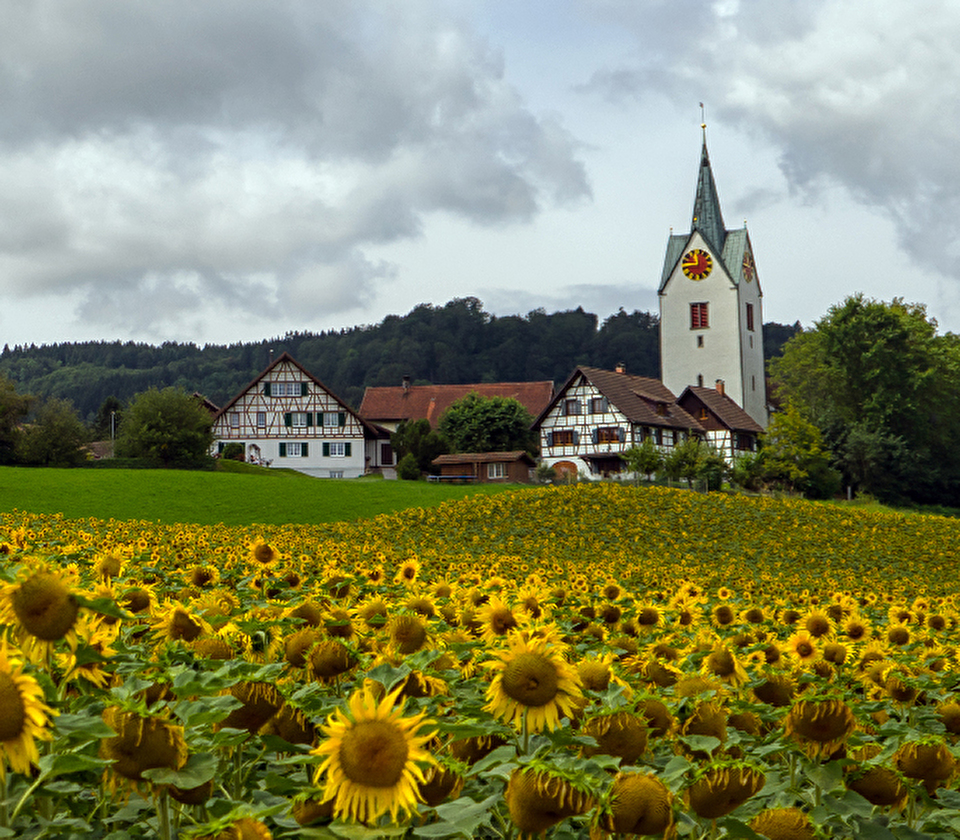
x=451, y=344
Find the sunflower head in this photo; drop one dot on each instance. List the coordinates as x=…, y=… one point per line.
x=141, y=742
x=24, y=716
x=821, y=725
x=538, y=798
x=621, y=733
x=638, y=804
x=783, y=824
x=373, y=758
x=43, y=606
x=533, y=682
x=722, y=787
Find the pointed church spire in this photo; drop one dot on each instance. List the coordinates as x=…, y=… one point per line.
x=706, y=208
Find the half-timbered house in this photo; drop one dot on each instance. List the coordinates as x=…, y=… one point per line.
x=598, y=414
x=728, y=428
x=286, y=417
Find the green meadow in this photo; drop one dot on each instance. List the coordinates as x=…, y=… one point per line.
x=237, y=496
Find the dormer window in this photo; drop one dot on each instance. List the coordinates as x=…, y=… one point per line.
x=661, y=409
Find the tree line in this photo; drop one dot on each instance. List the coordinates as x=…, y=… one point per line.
x=456, y=343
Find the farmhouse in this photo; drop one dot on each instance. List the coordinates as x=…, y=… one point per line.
x=599, y=414
x=286, y=417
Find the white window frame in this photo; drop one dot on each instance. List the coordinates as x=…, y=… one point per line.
x=298, y=419
x=261, y=419
x=336, y=473
x=338, y=449
x=497, y=469
x=234, y=419
x=331, y=419
x=294, y=449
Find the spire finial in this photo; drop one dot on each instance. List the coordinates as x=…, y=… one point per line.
x=703, y=124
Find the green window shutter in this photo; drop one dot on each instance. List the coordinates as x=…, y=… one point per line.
x=266, y=389
x=326, y=449
x=287, y=418
x=309, y=418
x=346, y=449
x=283, y=450
x=303, y=449
x=303, y=389
x=342, y=418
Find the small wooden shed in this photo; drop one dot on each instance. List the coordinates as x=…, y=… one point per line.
x=507, y=467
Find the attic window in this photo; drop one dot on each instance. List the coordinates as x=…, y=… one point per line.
x=704, y=414
x=662, y=409
x=571, y=407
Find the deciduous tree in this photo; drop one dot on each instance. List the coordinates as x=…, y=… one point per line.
x=488, y=424
x=169, y=427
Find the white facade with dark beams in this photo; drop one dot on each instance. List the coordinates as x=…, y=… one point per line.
x=288, y=418
x=599, y=414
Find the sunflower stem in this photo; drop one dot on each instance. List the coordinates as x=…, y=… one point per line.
x=4, y=816
x=24, y=798
x=163, y=813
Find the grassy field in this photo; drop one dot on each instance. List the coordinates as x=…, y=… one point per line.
x=248, y=496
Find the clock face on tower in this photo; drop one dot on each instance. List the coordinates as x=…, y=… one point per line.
x=748, y=267
x=697, y=264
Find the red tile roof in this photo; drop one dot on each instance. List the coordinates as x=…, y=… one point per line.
x=391, y=404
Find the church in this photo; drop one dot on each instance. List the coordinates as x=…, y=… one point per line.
x=711, y=322
x=712, y=383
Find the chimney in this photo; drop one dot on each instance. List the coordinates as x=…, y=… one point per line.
x=621, y=367
x=720, y=388
x=406, y=383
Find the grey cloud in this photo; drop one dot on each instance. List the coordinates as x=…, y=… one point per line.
x=159, y=158
x=860, y=95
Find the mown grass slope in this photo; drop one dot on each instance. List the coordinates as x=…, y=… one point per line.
x=247, y=497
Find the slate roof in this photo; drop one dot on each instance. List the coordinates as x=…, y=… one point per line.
x=386, y=404
x=707, y=217
x=636, y=397
x=728, y=246
x=724, y=409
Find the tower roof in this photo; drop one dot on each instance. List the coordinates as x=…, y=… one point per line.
x=707, y=217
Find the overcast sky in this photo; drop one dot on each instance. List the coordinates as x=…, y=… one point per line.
x=228, y=171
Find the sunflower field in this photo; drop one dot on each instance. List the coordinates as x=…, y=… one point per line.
x=592, y=661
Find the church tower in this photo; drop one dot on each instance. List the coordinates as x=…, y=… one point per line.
x=711, y=321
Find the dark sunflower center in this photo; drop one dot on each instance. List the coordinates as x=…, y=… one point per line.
x=12, y=713
x=502, y=621
x=45, y=607
x=721, y=663
x=530, y=679
x=184, y=627
x=136, y=600
x=263, y=553
x=804, y=649
x=374, y=753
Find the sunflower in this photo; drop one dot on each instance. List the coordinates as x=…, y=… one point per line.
x=42, y=609
x=638, y=804
x=783, y=824
x=24, y=717
x=141, y=742
x=96, y=635
x=176, y=623
x=928, y=759
x=408, y=633
x=803, y=646
x=821, y=725
x=263, y=554
x=539, y=797
x=372, y=757
x=621, y=733
x=533, y=684
x=723, y=664
x=408, y=572
x=722, y=787
x=818, y=623
x=497, y=619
